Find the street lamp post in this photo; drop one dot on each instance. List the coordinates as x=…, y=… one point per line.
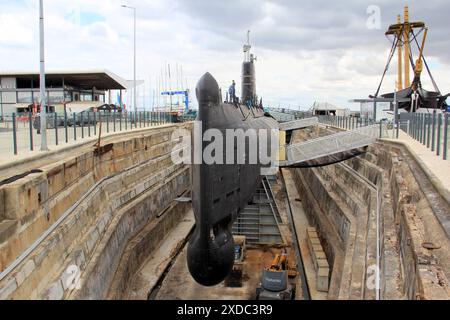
x=134, y=74
x=43, y=115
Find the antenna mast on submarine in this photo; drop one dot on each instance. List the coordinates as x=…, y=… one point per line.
x=247, y=48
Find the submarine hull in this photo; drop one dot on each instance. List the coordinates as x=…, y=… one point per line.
x=221, y=190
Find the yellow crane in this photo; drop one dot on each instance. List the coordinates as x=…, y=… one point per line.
x=403, y=31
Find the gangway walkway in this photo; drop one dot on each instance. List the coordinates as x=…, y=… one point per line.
x=299, y=124
x=331, y=145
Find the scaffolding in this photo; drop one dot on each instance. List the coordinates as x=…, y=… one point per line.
x=259, y=221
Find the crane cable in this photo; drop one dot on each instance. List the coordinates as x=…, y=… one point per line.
x=426, y=64
x=391, y=55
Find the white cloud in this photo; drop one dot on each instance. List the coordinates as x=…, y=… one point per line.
x=306, y=50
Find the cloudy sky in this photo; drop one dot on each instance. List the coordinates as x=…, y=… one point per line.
x=307, y=50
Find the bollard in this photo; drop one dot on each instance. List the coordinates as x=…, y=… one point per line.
x=89, y=124
x=114, y=121
x=418, y=128
x=56, y=129
x=428, y=130
x=381, y=129
x=397, y=129
x=30, y=115
x=409, y=125
x=433, y=137
x=422, y=128
x=445, y=144
x=131, y=120
x=82, y=124
x=95, y=123
x=66, y=130
x=75, y=127
x=107, y=122
x=438, y=147
x=14, y=133
x=425, y=130
x=415, y=126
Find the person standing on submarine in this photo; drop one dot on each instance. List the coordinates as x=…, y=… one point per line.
x=232, y=92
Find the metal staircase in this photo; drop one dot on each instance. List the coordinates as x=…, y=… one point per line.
x=259, y=221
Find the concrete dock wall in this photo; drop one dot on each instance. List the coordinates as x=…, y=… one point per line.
x=342, y=201
x=109, y=193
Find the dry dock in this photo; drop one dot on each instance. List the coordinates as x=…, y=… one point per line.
x=105, y=223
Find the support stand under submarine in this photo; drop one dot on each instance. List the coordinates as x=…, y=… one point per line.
x=221, y=191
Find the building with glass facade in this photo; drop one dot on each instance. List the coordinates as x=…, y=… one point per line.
x=79, y=90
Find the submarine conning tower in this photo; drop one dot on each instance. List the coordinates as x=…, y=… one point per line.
x=248, y=76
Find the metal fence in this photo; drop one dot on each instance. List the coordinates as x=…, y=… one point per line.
x=430, y=129
x=347, y=123
x=19, y=133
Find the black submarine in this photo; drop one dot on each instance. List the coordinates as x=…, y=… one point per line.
x=220, y=191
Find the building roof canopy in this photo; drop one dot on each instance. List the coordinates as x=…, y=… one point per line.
x=99, y=79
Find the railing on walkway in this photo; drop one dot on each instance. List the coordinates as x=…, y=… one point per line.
x=332, y=144
x=347, y=123
x=19, y=133
x=430, y=129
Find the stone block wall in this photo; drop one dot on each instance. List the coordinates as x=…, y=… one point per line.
x=91, y=191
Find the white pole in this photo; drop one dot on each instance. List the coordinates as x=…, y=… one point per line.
x=134, y=60
x=170, y=87
x=177, y=88
x=158, y=93
x=135, y=83
x=44, y=146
